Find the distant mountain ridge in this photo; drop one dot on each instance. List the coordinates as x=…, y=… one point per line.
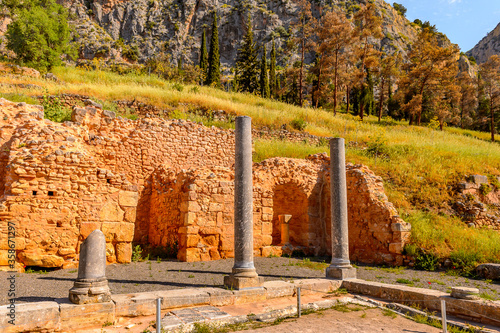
x=175, y=26
x=487, y=47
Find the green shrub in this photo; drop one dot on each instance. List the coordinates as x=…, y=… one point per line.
x=426, y=261
x=466, y=261
x=137, y=253
x=484, y=189
x=54, y=109
x=177, y=86
x=494, y=182
x=298, y=124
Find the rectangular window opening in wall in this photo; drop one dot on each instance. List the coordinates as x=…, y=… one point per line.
x=108, y=180
x=34, y=192
x=50, y=193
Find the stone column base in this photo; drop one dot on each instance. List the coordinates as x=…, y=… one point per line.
x=236, y=282
x=86, y=291
x=341, y=273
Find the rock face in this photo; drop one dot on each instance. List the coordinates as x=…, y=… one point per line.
x=487, y=47
x=489, y=271
x=165, y=183
x=175, y=26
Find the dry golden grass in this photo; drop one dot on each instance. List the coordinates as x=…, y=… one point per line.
x=417, y=163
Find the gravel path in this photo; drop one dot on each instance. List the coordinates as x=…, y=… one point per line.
x=153, y=275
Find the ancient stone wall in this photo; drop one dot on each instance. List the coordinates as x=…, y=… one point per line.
x=61, y=181
x=165, y=182
x=477, y=200
x=284, y=186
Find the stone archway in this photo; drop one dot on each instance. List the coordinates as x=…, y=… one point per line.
x=291, y=199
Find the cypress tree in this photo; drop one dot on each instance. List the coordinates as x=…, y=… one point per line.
x=247, y=64
x=264, y=81
x=203, y=57
x=272, y=72
x=213, y=77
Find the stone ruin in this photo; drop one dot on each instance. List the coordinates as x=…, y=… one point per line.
x=164, y=182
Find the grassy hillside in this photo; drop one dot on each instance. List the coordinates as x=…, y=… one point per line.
x=418, y=164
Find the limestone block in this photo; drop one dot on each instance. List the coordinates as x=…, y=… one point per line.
x=465, y=293
x=123, y=252
x=215, y=207
x=66, y=251
x=396, y=248
x=189, y=218
x=401, y=227
x=189, y=230
x=20, y=243
x=249, y=292
x=128, y=198
x=86, y=228
x=112, y=212
x=133, y=305
x=30, y=317
x=182, y=298
x=211, y=240
x=4, y=257
x=110, y=253
x=267, y=240
x=489, y=271
x=118, y=232
x=190, y=206
x=36, y=257
x=272, y=251
x=130, y=214
x=219, y=297
x=192, y=240
x=276, y=289
x=19, y=209
x=267, y=228
x=214, y=254
x=478, y=179
x=76, y=316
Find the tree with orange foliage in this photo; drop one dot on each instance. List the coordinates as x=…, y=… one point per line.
x=468, y=98
x=490, y=79
x=368, y=24
x=428, y=64
x=334, y=36
x=303, y=30
x=388, y=71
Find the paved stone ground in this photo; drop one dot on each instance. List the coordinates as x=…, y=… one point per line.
x=153, y=275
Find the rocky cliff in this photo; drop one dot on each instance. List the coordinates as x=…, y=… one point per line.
x=105, y=28
x=487, y=47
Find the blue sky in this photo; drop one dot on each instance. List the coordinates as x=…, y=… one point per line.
x=465, y=22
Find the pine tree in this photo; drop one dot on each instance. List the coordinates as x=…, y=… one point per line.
x=264, y=81
x=247, y=65
x=213, y=77
x=272, y=73
x=203, y=57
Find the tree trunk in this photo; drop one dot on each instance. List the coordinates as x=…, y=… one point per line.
x=492, y=120
x=335, y=84
x=318, y=88
x=301, y=67
x=381, y=101
x=361, y=109
x=348, y=91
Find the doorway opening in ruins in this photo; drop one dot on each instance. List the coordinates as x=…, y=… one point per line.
x=290, y=199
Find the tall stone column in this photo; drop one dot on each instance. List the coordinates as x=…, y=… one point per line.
x=243, y=274
x=340, y=267
x=91, y=285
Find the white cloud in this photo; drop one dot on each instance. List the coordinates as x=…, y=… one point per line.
x=454, y=1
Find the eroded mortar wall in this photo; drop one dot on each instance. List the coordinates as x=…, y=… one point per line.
x=285, y=186
x=61, y=181
x=165, y=182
